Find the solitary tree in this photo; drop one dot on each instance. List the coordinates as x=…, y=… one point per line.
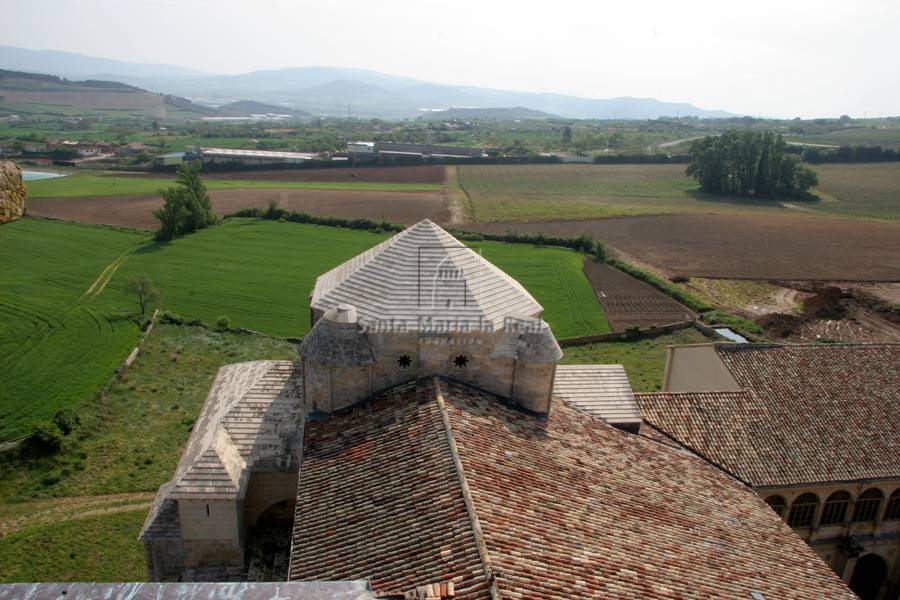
x=567, y=134
x=173, y=214
x=141, y=286
x=187, y=207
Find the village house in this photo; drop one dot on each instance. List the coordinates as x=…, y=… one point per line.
x=427, y=440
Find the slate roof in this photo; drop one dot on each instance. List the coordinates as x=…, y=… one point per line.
x=436, y=481
x=423, y=272
x=252, y=415
x=602, y=390
x=806, y=414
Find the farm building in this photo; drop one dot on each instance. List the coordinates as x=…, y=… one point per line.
x=426, y=441
x=814, y=429
x=373, y=150
x=249, y=157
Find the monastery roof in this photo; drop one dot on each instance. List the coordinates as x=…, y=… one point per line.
x=804, y=414
x=251, y=416
x=435, y=481
x=424, y=273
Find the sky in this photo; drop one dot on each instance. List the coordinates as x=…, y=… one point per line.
x=783, y=58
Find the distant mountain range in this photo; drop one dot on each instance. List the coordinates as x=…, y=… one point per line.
x=336, y=91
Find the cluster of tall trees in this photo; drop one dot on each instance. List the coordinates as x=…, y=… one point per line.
x=187, y=207
x=749, y=163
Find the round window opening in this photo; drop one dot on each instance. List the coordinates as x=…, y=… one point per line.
x=404, y=362
x=460, y=361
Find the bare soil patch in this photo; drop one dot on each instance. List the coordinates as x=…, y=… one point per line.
x=757, y=247
x=628, y=301
x=137, y=210
x=832, y=313
x=415, y=174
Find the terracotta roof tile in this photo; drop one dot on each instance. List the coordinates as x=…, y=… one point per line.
x=568, y=507
x=807, y=414
x=379, y=498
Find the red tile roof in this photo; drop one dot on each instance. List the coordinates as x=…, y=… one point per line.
x=379, y=496
x=807, y=414
x=409, y=488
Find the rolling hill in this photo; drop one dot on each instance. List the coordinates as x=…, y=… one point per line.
x=37, y=94
x=486, y=114
x=336, y=91
x=252, y=107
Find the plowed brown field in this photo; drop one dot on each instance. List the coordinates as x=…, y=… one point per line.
x=414, y=174
x=628, y=301
x=759, y=247
x=137, y=210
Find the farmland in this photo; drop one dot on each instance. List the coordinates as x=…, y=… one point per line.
x=518, y=193
x=131, y=436
x=427, y=174
x=515, y=193
x=136, y=210
x=61, y=344
x=860, y=190
x=628, y=301
x=555, y=278
x=758, y=247
x=260, y=273
x=108, y=185
x=58, y=341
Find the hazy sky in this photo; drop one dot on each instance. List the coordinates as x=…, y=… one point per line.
x=780, y=58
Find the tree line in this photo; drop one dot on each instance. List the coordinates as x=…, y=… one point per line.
x=847, y=154
x=749, y=163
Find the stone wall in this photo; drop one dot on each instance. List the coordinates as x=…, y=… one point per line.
x=12, y=192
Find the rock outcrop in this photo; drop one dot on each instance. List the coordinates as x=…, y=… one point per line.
x=12, y=192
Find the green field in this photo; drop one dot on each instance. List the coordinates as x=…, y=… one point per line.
x=131, y=437
x=60, y=347
x=260, y=273
x=644, y=359
x=883, y=133
x=860, y=190
x=58, y=343
x=555, y=278
x=577, y=191
x=109, y=185
x=95, y=548
x=512, y=193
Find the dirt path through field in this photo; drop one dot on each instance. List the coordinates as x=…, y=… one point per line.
x=15, y=516
x=99, y=284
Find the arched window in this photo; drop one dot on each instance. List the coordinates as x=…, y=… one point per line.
x=835, y=508
x=803, y=510
x=867, y=505
x=777, y=503
x=892, y=512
